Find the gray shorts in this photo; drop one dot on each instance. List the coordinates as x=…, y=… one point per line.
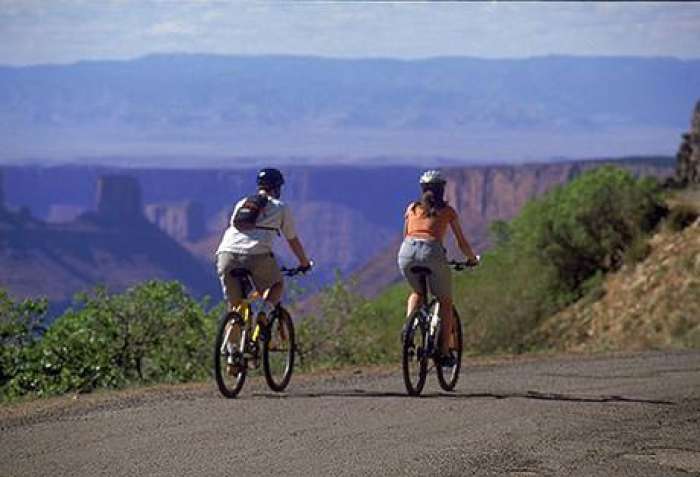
x=429, y=254
x=263, y=268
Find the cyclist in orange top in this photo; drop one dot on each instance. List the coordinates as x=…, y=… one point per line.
x=425, y=226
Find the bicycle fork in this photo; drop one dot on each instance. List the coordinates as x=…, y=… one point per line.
x=434, y=328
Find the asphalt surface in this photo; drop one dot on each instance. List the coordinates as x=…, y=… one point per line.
x=604, y=415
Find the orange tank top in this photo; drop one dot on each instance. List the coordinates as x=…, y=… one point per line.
x=419, y=225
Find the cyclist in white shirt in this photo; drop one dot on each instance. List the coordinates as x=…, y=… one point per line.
x=247, y=242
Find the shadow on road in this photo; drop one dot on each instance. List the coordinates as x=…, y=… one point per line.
x=360, y=393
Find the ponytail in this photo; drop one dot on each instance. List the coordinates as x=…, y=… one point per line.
x=432, y=199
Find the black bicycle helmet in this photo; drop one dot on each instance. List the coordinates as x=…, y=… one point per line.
x=270, y=177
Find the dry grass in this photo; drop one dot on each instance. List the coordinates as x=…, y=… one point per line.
x=653, y=304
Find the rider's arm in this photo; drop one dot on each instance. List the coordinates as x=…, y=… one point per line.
x=289, y=232
x=462, y=240
x=405, y=220
x=298, y=250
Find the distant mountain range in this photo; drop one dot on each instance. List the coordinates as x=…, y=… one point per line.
x=206, y=110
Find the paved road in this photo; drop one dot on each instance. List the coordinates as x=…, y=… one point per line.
x=612, y=415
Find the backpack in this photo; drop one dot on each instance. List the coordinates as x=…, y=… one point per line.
x=248, y=213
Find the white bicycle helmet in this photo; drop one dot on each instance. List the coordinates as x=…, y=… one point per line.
x=432, y=176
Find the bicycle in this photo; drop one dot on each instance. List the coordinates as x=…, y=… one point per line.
x=421, y=339
x=241, y=339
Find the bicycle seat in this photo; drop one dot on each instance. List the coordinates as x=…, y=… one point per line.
x=239, y=273
x=421, y=270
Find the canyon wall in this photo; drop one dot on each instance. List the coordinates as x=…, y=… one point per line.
x=183, y=221
x=119, y=198
x=113, y=245
x=349, y=219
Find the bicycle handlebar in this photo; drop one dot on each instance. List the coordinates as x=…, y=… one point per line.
x=290, y=272
x=457, y=265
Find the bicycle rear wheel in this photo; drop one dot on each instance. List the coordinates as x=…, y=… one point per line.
x=448, y=376
x=229, y=364
x=278, y=350
x=414, y=356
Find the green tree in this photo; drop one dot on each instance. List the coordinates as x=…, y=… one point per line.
x=20, y=326
x=153, y=332
x=586, y=226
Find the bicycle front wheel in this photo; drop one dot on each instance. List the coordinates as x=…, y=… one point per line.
x=448, y=376
x=229, y=364
x=414, y=356
x=278, y=350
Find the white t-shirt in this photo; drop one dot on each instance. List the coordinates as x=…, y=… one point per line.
x=275, y=215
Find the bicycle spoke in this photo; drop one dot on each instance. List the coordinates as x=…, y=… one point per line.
x=414, y=356
x=278, y=351
x=229, y=363
x=448, y=376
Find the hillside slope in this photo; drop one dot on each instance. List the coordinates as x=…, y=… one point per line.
x=655, y=304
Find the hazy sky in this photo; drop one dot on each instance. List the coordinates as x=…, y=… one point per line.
x=60, y=31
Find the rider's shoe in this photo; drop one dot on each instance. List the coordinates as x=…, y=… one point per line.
x=264, y=324
x=447, y=361
x=253, y=356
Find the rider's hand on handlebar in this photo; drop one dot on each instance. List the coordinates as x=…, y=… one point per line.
x=473, y=261
x=305, y=267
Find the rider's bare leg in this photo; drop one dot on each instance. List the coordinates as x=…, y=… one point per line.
x=273, y=295
x=414, y=299
x=234, y=334
x=447, y=325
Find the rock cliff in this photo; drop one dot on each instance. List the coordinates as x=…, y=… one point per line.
x=114, y=246
x=688, y=156
x=346, y=216
x=185, y=221
x=119, y=199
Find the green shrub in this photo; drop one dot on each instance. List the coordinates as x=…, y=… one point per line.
x=20, y=327
x=556, y=251
x=348, y=330
x=588, y=225
x=151, y=333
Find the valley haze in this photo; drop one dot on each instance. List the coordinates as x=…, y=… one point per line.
x=196, y=110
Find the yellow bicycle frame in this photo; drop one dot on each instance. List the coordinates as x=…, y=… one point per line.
x=244, y=310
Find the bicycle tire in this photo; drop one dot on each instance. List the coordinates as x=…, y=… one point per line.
x=449, y=383
x=220, y=358
x=272, y=361
x=414, y=354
